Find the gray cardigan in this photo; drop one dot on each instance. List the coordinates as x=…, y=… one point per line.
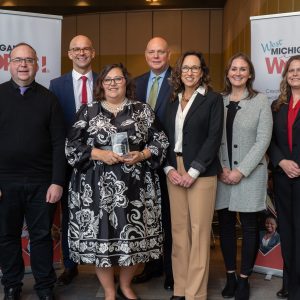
x=251, y=135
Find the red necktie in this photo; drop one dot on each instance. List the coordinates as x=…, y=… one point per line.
x=84, y=91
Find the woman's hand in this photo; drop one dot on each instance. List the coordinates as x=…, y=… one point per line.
x=290, y=168
x=224, y=175
x=187, y=180
x=107, y=156
x=133, y=157
x=174, y=177
x=234, y=176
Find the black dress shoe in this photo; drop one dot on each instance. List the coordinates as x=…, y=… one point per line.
x=169, y=284
x=67, y=276
x=146, y=276
x=46, y=294
x=121, y=296
x=12, y=294
x=282, y=294
x=177, y=298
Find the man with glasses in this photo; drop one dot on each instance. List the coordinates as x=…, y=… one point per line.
x=73, y=89
x=32, y=173
x=153, y=87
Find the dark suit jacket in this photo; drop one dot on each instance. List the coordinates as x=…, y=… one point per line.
x=279, y=148
x=62, y=87
x=164, y=94
x=202, y=133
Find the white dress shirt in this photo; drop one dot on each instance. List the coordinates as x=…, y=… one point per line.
x=77, y=85
x=179, y=121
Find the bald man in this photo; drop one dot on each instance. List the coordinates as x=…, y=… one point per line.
x=73, y=90
x=157, y=55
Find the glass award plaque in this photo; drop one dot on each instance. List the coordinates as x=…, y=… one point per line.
x=119, y=142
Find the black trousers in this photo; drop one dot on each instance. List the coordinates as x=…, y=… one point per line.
x=164, y=264
x=228, y=239
x=287, y=201
x=19, y=200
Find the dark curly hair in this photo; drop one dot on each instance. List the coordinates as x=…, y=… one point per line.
x=99, y=93
x=285, y=89
x=249, y=84
x=175, y=79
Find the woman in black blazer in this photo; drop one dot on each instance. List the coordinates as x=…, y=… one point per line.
x=284, y=155
x=193, y=123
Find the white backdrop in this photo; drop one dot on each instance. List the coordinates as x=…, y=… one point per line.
x=274, y=38
x=42, y=32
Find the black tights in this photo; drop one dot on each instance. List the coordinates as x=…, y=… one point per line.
x=228, y=239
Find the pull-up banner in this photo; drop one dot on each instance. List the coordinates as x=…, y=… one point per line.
x=274, y=39
x=42, y=32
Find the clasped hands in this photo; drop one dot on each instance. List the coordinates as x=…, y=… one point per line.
x=290, y=168
x=184, y=180
x=110, y=158
x=231, y=176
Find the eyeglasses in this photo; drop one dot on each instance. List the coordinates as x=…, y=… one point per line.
x=158, y=52
x=194, y=69
x=20, y=60
x=116, y=80
x=77, y=50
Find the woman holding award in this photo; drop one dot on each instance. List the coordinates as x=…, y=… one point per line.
x=114, y=196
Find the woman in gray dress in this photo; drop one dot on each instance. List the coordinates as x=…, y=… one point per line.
x=242, y=184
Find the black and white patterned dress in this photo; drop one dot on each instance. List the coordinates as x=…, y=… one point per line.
x=115, y=210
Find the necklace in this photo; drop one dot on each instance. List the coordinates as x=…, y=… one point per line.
x=113, y=108
x=185, y=99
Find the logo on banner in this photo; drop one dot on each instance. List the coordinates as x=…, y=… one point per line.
x=276, y=54
x=4, y=59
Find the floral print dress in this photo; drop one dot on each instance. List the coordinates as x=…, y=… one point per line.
x=115, y=210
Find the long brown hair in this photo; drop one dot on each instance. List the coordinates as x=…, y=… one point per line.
x=249, y=84
x=99, y=93
x=285, y=89
x=175, y=79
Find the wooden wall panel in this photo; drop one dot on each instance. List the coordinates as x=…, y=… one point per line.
x=112, y=38
x=195, y=30
x=122, y=36
x=167, y=24
x=285, y=6
x=272, y=6
x=89, y=25
x=216, y=51
x=139, y=32
x=296, y=5
x=68, y=32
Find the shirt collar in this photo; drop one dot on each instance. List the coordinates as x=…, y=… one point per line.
x=16, y=86
x=76, y=75
x=200, y=90
x=161, y=75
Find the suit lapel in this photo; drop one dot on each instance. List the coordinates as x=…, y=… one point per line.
x=70, y=100
x=164, y=89
x=173, y=112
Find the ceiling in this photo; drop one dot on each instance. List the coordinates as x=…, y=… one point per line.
x=71, y=7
